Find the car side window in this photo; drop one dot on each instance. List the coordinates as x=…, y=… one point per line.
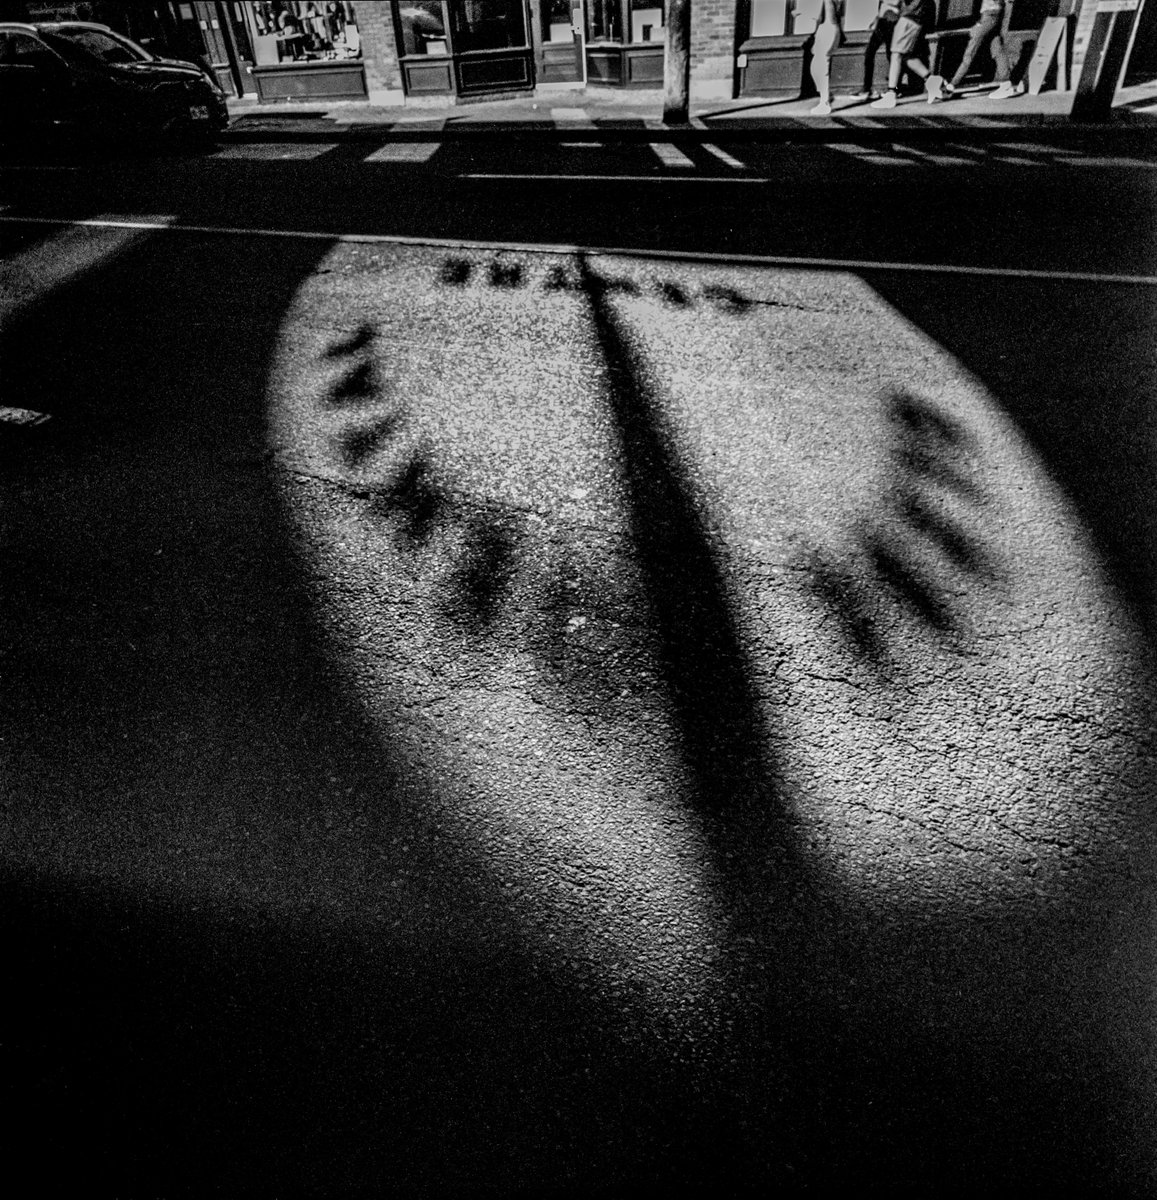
x=25, y=51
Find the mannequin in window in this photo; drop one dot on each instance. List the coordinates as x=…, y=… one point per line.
x=828, y=35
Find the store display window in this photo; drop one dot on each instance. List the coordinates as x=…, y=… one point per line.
x=488, y=25
x=423, y=27
x=555, y=16
x=304, y=32
x=636, y=22
x=799, y=18
x=646, y=20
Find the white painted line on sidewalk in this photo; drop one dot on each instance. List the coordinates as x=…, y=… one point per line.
x=788, y=262
x=572, y=117
x=723, y=156
x=671, y=156
x=614, y=178
x=399, y=152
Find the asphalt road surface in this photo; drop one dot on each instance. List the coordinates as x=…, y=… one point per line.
x=580, y=684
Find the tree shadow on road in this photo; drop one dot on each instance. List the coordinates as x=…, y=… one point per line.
x=215, y=983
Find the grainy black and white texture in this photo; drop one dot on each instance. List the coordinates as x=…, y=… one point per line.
x=480, y=720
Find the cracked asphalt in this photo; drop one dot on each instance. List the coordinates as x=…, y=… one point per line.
x=483, y=720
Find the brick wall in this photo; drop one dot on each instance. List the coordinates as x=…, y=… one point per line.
x=379, y=51
x=712, y=47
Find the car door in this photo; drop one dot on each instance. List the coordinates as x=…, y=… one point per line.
x=34, y=82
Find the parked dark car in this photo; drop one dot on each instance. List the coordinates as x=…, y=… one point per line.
x=78, y=76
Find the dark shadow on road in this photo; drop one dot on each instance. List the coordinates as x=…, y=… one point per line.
x=246, y=955
x=167, y=684
x=924, y=538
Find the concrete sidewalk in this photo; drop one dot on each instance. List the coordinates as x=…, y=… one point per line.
x=596, y=109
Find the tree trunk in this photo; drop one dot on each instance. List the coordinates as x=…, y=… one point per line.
x=677, y=63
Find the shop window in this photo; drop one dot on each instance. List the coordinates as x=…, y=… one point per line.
x=777, y=18
x=604, y=20
x=859, y=15
x=556, y=20
x=805, y=16
x=423, y=28
x=768, y=18
x=646, y=21
x=487, y=25
x=309, y=32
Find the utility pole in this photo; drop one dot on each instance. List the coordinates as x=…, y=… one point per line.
x=677, y=63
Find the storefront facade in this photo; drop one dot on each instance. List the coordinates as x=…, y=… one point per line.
x=455, y=51
x=774, y=53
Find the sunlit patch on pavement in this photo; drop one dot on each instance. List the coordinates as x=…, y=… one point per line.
x=952, y=694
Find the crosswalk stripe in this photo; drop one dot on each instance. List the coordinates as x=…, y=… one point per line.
x=723, y=156
x=1113, y=161
x=412, y=152
x=670, y=156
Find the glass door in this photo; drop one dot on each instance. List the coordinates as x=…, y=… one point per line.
x=562, y=48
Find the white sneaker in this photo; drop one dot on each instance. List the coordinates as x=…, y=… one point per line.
x=934, y=88
x=887, y=100
x=823, y=109
x=1007, y=90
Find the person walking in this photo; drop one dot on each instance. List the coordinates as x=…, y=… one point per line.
x=828, y=35
x=916, y=16
x=879, y=35
x=987, y=31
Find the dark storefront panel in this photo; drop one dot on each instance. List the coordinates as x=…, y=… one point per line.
x=464, y=47
x=430, y=78
x=493, y=72
x=292, y=81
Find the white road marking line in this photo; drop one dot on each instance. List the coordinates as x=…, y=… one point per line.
x=723, y=156
x=1112, y=161
x=37, y=167
x=671, y=156
x=67, y=254
x=615, y=178
x=548, y=248
x=1036, y=148
x=404, y=152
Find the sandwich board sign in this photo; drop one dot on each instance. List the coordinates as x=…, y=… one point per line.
x=1110, y=29
x=1053, y=43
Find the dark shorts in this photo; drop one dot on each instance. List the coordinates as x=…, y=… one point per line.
x=908, y=34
